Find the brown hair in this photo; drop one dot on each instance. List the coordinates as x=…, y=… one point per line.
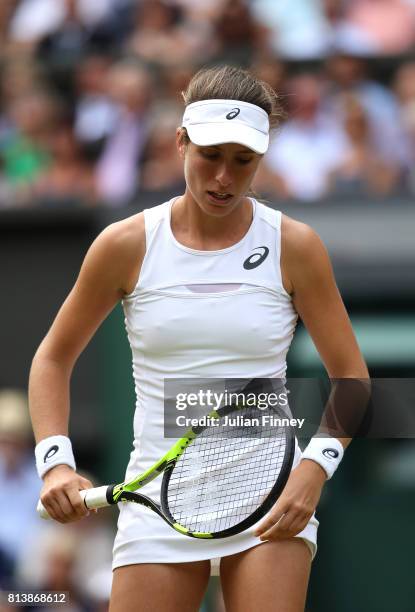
x=232, y=83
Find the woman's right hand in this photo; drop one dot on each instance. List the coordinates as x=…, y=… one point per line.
x=60, y=494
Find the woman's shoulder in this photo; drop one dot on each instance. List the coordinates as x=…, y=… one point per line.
x=298, y=237
x=303, y=253
x=120, y=248
x=125, y=235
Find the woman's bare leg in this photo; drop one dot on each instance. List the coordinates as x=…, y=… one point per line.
x=161, y=587
x=271, y=577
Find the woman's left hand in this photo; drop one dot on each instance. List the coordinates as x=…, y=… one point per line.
x=297, y=503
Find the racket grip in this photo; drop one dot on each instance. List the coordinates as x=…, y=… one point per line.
x=93, y=498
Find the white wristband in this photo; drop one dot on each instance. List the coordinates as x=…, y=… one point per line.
x=53, y=451
x=327, y=452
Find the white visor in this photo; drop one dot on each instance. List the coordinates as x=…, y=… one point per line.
x=213, y=122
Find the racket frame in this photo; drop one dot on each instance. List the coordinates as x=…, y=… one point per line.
x=99, y=497
x=260, y=512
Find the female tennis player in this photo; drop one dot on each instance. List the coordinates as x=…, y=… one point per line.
x=212, y=283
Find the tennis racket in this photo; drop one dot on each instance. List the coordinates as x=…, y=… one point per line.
x=218, y=479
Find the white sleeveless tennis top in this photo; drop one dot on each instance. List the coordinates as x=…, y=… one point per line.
x=205, y=314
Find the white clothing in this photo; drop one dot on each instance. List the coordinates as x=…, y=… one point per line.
x=299, y=28
x=241, y=327
x=34, y=19
x=304, y=154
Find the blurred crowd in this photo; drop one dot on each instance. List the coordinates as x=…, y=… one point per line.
x=37, y=555
x=90, y=95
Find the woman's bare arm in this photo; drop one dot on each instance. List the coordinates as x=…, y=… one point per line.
x=109, y=271
x=308, y=277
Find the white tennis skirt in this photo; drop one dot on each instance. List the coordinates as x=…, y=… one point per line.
x=143, y=537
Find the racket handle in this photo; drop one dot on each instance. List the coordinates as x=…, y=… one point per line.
x=93, y=498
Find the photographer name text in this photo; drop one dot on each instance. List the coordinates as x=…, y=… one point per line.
x=239, y=421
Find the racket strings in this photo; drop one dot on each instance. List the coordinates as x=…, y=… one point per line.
x=225, y=475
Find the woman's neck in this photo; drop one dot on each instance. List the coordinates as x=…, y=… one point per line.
x=196, y=229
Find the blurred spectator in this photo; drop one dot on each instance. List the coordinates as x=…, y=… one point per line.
x=298, y=28
x=162, y=167
x=36, y=19
x=69, y=176
x=67, y=43
x=348, y=74
x=200, y=9
x=7, y=9
x=404, y=86
x=19, y=76
x=307, y=149
x=174, y=80
x=240, y=37
x=75, y=36
x=342, y=33
x=74, y=557
x=25, y=152
x=111, y=32
x=387, y=26
x=271, y=70
x=165, y=35
x=307, y=29
x=363, y=170
x=60, y=549
x=63, y=48
x=95, y=113
x=130, y=88
x=19, y=482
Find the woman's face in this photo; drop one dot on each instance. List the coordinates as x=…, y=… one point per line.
x=218, y=177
